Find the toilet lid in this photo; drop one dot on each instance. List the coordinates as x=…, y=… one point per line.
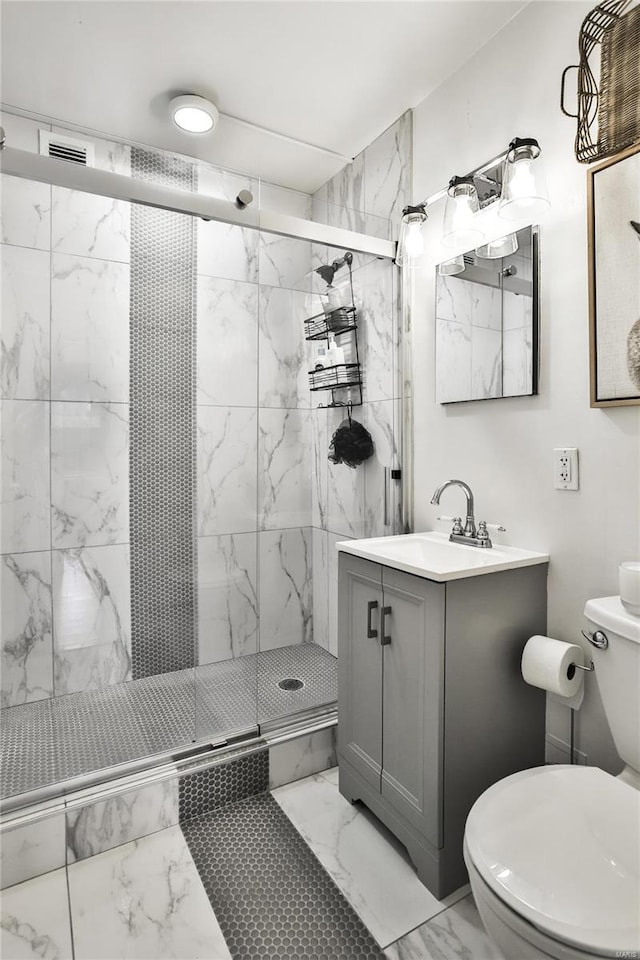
x=560, y=845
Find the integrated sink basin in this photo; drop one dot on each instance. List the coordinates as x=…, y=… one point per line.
x=433, y=556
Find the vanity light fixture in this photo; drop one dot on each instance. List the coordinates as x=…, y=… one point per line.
x=524, y=191
x=411, y=242
x=496, y=249
x=513, y=181
x=193, y=114
x=459, y=227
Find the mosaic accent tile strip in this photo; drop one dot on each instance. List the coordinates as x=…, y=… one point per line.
x=236, y=780
x=27, y=747
x=81, y=732
x=271, y=896
x=162, y=457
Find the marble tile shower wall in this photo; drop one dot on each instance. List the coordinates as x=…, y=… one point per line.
x=64, y=381
x=64, y=537
x=254, y=432
x=367, y=196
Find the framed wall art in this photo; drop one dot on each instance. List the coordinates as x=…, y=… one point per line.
x=613, y=204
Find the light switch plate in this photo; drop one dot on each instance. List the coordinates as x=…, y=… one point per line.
x=565, y=468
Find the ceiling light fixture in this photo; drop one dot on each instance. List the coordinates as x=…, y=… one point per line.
x=193, y=114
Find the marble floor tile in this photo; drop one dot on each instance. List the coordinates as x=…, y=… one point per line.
x=32, y=850
x=35, y=919
x=143, y=900
x=369, y=866
x=455, y=934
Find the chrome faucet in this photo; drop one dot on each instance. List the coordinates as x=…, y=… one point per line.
x=470, y=535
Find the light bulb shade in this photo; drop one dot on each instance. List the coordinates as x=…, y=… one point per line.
x=496, y=249
x=451, y=267
x=524, y=189
x=459, y=227
x=411, y=242
x=193, y=114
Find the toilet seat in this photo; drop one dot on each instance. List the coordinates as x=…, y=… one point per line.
x=560, y=846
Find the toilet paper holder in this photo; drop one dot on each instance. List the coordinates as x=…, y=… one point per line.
x=588, y=669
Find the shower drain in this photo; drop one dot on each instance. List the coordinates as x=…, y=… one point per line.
x=291, y=683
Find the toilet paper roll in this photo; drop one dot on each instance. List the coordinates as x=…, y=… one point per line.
x=548, y=664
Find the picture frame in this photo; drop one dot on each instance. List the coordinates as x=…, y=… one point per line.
x=613, y=211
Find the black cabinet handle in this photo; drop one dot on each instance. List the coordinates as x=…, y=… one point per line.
x=386, y=611
x=371, y=606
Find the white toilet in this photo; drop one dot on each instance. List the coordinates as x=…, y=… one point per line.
x=553, y=853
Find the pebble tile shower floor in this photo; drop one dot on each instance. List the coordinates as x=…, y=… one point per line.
x=71, y=735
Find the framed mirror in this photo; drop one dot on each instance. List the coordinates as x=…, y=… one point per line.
x=487, y=321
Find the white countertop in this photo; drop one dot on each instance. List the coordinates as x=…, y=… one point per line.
x=432, y=556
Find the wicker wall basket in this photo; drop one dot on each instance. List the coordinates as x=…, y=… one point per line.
x=609, y=115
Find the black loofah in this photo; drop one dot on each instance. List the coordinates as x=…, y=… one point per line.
x=351, y=444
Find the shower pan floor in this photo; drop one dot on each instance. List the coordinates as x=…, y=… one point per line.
x=53, y=740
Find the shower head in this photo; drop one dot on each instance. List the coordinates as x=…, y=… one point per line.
x=328, y=271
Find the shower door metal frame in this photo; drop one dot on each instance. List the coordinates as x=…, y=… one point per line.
x=61, y=173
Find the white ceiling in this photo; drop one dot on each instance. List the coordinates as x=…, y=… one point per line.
x=332, y=72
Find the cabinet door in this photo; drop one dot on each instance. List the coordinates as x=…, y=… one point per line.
x=360, y=666
x=413, y=699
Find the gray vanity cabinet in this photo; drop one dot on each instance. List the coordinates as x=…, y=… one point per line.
x=432, y=708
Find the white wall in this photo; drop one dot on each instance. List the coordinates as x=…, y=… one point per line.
x=503, y=448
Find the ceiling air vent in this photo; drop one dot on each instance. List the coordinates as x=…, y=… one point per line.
x=67, y=148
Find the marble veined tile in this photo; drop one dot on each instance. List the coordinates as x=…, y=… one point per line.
x=90, y=226
x=227, y=597
x=320, y=589
x=346, y=498
x=26, y=213
x=26, y=628
x=332, y=589
x=286, y=604
x=284, y=457
x=145, y=900
x=455, y=934
x=35, y=919
x=89, y=329
x=284, y=379
x=227, y=354
x=89, y=471
x=346, y=188
x=110, y=823
x=387, y=171
x=378, y=327
x=227, y=450
x=24, y=448
x=486, y=365
x=92, y=618
x=284, y=262
x=319, y=467
x=24, y=331
x=302, y=757
x=379, y=421
x=227, y=251
x=32, y=850
x=453, y=361
x=369, y=866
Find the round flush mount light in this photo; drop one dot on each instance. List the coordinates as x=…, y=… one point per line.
x=193, y=114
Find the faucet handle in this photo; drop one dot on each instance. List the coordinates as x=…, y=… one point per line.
x=456, y=521
x=495, y=526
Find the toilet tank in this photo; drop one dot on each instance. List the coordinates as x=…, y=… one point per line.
x=617, y=672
